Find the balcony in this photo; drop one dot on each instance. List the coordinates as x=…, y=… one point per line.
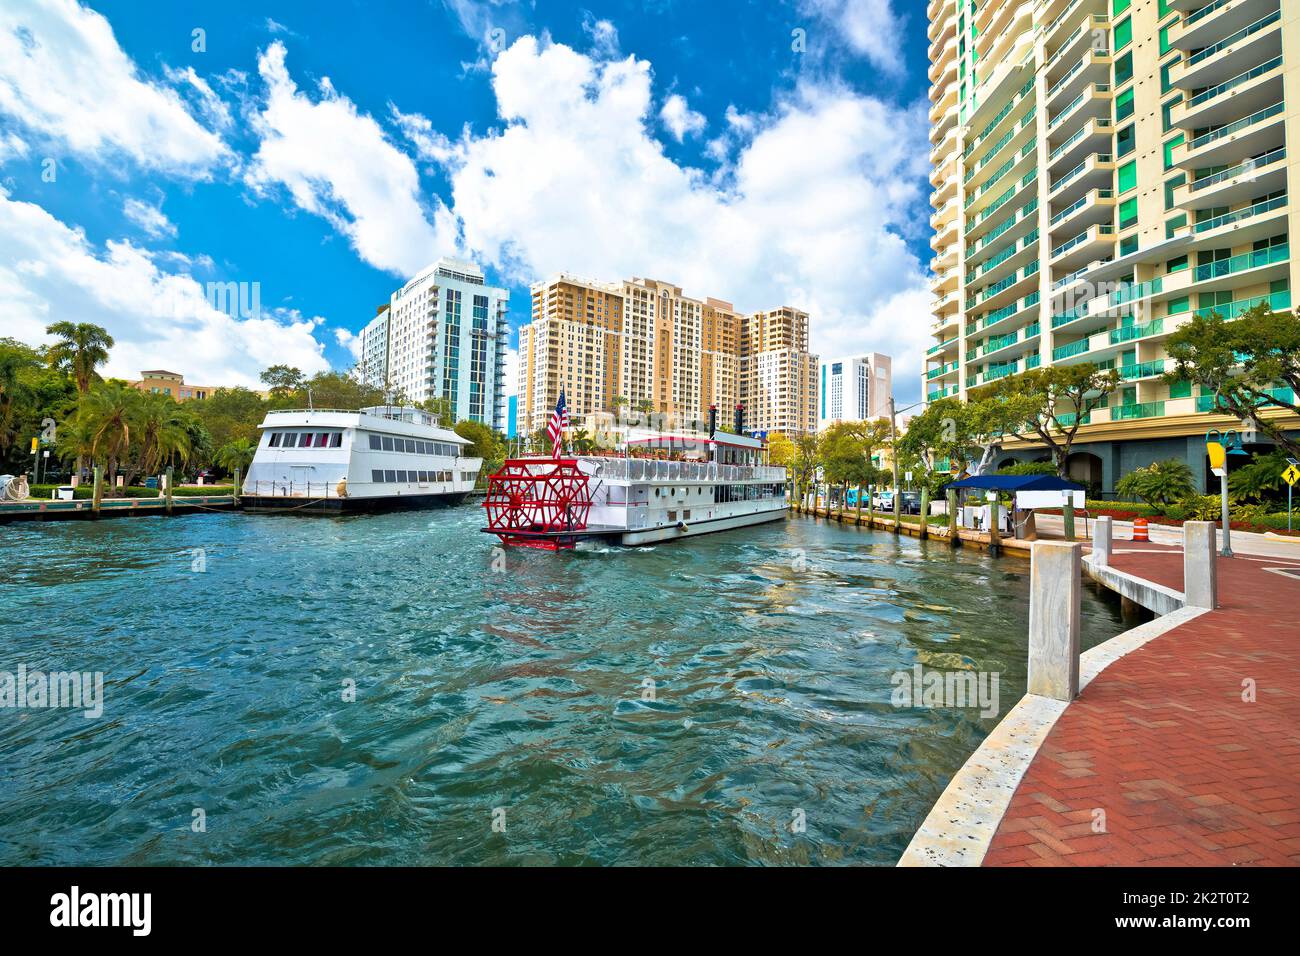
x=1205, y=403
x=1249, y=268
x=1070, y=350
x=941, y=393
x=1091, y=209
x=1088, y=245
x=1132, y=373
x=1231, y=55
x=1131, y=333
x=1229, y=144
x=1278, y=302
x=1207, y=25
x=1244, y=225
x=1257, y=176
x=1095, y=172
x=1093, y=103
x=1119, y=413
x=1014, y=226
x=1241, y=95
x=1092, y=67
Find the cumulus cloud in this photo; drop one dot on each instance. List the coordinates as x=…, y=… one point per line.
x=869, y=28
x=49, y=271
x=337, y=163
x=64, y=77
x=149, y=218
x=810, y=212
x=679, y=119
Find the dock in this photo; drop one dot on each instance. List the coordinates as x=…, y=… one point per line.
x=38, y=509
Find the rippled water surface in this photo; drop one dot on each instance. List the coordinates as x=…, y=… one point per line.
x=519, y=691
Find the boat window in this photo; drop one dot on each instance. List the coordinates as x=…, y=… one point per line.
x=390, y=475
x=388, y=443
x=410, y=446
x=401, y=475
x=336, y=440
x=377, y=476
x=375, y=443
x=275, y=440
x=322, y=440
x=290, y=439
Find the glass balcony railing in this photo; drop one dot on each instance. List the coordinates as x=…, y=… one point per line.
x=941, y=370
x=1247, y=260
x=1144, y=410
x=1033, y=361
x=1205, y=403
x=1205, y=11
x=1249, y=166
x=1236, y=126
x=939, y=347
x=1139, y=291
x=1206, y=95
x=1128, y=333
x=1249, y=212
x=1261, y=24
x=1067, y=419
x=1277, y=301
x=1144, y=370
x=1074, y=348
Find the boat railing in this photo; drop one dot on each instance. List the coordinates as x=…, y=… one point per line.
x=291, y=489
x=654, y=469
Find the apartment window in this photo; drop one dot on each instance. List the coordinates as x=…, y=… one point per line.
x=1170, y=186
x=1124, y=105
x=1181, y=304
x=1169, y=150
x=1124, y=69
x=1166, y=111
x=1128, y=177
x=1180, y=390
x=1125, y=141
x=1123, y=34
x=1165, y=85
x=1128, y=212
x=1128, y=245
x=1176, y=265
x=1119, y=6
x=1173, y=225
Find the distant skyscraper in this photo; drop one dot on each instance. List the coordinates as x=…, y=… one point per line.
x=443, y=335
x=854, y=389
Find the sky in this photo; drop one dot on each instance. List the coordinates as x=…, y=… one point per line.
x=318, y=154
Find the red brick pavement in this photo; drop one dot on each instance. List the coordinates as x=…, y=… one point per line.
x=1162, y=743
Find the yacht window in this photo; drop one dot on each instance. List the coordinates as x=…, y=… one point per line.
x=290, y=439
x=390, y=475
x=336, y=440
x=322, y=439
x=375, y=443
x=275, y=440
x=388, y=443
x=410, y=446
x=401, y=476
x=377, y=476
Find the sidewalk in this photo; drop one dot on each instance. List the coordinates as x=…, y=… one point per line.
x=1160, y=761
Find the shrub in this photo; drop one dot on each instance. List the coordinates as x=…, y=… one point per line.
x=1159, y=483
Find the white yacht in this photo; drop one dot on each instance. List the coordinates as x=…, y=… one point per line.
x=660, y=488
x=329, y=460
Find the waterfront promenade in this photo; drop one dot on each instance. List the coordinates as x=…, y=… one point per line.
x=1185, y=751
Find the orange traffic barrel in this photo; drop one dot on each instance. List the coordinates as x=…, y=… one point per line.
x=1140, y=529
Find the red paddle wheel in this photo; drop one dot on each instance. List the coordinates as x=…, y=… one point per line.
x=538, y=502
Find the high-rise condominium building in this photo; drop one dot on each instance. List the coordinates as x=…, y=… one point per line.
x=443, y=335
x=1103, y=170
x=854, y=389
x=644, y=344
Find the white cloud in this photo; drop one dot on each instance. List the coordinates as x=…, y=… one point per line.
x=64, y=77
x=213, y=108
x=870, y=28
x=337, y=163
x=11, y=144
x=809, y=212
x=149, y=218
x=349, y=340
x=430, y=145
x=679, y=119
x=50, y=271
x=604, y=36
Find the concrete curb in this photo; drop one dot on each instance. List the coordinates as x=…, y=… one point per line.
x=961, y=824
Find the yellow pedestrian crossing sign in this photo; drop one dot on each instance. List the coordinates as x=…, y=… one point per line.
x=1291, y=475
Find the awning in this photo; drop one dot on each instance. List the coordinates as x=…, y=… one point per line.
x=1016, y=483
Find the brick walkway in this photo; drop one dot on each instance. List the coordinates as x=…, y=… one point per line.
x=1185, y=771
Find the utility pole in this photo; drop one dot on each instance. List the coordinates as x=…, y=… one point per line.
x=893, y=442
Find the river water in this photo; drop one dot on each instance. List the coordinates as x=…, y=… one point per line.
x=391, y=689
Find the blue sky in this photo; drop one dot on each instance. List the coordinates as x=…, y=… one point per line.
x=761, y=152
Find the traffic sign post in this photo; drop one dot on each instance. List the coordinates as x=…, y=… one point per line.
x=1290, y=476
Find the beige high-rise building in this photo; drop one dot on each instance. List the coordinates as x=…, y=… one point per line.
x=642, y=342
x=1103, y=170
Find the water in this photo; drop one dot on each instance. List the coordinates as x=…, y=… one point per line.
x=481, y=696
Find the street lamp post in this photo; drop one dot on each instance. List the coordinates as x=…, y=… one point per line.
x=893, y=440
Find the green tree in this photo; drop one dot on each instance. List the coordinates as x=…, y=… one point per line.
x=235, y=454
x=81, y=348
x=18, y=365
x=1260, y=479
x=230, y=414
x=1160, y=483
x=160, y=435
x=283, y=380
x=107, y=416
x=1047, y=406
x=443, y=408
x=1250, y=364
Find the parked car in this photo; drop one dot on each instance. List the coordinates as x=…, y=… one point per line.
x=883, y=501
x=910, y=502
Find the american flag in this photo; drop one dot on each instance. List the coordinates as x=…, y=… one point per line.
x=559, y=422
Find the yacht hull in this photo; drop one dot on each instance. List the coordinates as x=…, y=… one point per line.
x=268, y=504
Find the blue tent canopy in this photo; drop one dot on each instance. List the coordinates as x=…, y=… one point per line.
x=1016, y=483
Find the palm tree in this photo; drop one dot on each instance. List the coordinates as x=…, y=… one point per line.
x=236, y=454
x=108, y=414
x=81, y=348
x=162, y=434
